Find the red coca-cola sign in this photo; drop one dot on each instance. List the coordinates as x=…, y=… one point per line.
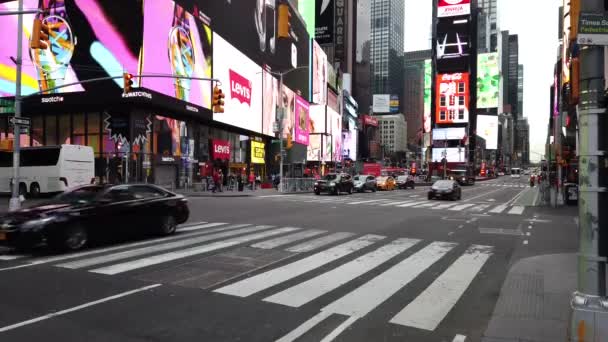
x=370, y=121
x=220, y=149
x=240, y=87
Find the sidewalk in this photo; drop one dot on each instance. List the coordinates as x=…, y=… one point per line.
x=245, y=193
x=534, y=301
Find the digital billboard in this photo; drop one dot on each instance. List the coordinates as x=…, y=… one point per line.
x=316, y=137
x=453, y=45
x=319, y=74
x=324, y=20
x=487, y=128
x=89, y=39
x=488, y=80
x=451, y=8
x=452, y=133
x=452, y=154
x=317, y=119
x=307, y=11
x=270, y=102
x=258, y=152
x=428, y=83
x=241, y=80
x=452, y=98
x=381, y=103
x=349, y=141
x=185, y=51
x=334, y=127
x=302, y=124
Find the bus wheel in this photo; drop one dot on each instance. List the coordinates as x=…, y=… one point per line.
x=22, y=189
x=35, y=190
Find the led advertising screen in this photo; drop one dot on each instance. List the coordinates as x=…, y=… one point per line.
x=381, y=103
x=488, y=80
x=453, y=45
x=452, y=98
x=241, y=82
x=334, y=127
x=302, y=122
x=317, y=118
x=250, y=26
x=89, y=39
x=307, y=11
x=428, y=83
x=319, y=74
x=452, y=154
x=176, y=44
x=349, y=141
x=324, y=20
x=452, y=133
x=451, y=8
x=487, y=128
x=316, y=137
x=269, y=102
x=258, y=152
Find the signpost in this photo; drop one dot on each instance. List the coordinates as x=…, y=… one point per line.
x=593, y=29
x=19, y=121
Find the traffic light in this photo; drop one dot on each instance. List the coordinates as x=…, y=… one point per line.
x=40, y=35
x=218, y=100
x=284, y=24
x=127, y=80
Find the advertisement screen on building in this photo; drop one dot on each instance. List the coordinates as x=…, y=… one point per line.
x=307, y=11
x=428, y=83
x=270, y=85
x=324, y=20
x=452, y=133
x=452, y=98
x=256, y=35
x=242, y=80
x=381, y=103
x=349, y=141
x=220, y=149
x=334, y=127
x=258, y=152
x=319, y=75
x=319, y=148
x=394, y=104
x=451, y=8
x=488, y=80
x=187, y=53
x=302, y=122
x=487, y=128
x=452, y=154
x=95, y=34
x=453, y=45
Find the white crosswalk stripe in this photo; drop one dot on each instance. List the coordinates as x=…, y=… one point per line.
x=309, y=246
x=517, y=210
x=462, y=207
x=285, y=240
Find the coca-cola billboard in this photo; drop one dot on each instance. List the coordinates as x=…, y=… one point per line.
x=220, y=149
x=369, y=121
x=451, y=8
x=452, y=98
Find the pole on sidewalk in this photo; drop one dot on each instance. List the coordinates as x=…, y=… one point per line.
x=281, y=147
x=589, y=303
x=15, y=201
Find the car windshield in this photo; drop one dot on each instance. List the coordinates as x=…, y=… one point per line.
x=331, y=177
x=402, y=178
x=381, y=179
x=459, y=172
x=443, y=184
x=79, y=196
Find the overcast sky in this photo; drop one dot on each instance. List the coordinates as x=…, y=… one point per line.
x=536, y=23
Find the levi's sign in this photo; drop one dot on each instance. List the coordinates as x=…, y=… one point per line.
x=220, y=149
x=240, y=88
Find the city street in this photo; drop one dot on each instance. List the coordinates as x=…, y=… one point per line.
x=384, y=266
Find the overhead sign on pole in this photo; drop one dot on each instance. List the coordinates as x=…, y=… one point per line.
x=593, y=29
x=20, y=121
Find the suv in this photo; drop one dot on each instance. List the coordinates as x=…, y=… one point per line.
x=365, y=182
x=406, y=181
x=334, y=183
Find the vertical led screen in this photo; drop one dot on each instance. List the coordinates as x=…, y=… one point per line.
x=487, y=128
x=428, y=83
x=488, y=80
x=319, y=75
x=452, y=98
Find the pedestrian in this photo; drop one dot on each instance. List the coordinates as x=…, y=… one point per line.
x=216, y=180
x=252, y=181
x=221, y=181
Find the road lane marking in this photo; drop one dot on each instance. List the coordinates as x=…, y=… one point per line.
x=76, y=308
x=484, y=194
x=307, y=291
x=287, y=239
x=304, y=327
x=408, y=204
x=10, y=257
x=459, y=338
x=161, y=258
x=262, y=281
x=111, y=249
x=517, y=210
x=525, y=242
x=425, y=204
x=369, y=201
x=371, y=294
x=199, y=226
x=339, y=329
x=395, y=203
x=499, y=209
x=320, y=242
x=479, y=207
x=434, y=303
x=501, y=231
x=82, y=263
x=461, y=207
x=444, y=206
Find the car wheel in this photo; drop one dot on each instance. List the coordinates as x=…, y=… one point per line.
x=413, y=186
x=336, y=192
x=22, y=189
x=72, y=238
x=430, y=197
x=374, y=189
x=317, y=193
x=168, y=225
x=35, y=190
x=350, y=190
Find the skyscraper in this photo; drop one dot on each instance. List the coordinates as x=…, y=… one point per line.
x=387, y=46
x=513, y=74
x=490, y=8
x=413, y=92
x=520, y=90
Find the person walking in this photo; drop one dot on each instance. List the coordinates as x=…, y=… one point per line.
x=216, y=180
x=252, y=181
x=221, y=180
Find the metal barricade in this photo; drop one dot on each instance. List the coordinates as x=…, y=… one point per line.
x=294, y=185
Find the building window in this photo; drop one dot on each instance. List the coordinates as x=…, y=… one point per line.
x=64, y=129
x=451, y=114
x=78, y=130
x=461, y=114
x=461, y=100
x=51, y=129
x=461, y=87
x=442, y=115
x=93, y=136
x=442, y=101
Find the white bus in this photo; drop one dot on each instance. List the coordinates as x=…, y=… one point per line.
x=515, y=172
x=48, y=169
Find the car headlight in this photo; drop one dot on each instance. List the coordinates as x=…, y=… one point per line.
x=332, y=184
x=36, y=223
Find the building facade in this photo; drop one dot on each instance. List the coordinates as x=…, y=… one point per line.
x=393, y=132
x=387, y=46
x=490, y=8
x=513, y=73
x=413, y=95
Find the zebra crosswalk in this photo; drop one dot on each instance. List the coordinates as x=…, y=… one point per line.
x=506, y=185
x=417, y=203
x=312, y=264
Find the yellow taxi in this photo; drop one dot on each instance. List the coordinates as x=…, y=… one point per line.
x=386, y=183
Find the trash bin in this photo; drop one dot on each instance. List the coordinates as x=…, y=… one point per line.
x=571, y=193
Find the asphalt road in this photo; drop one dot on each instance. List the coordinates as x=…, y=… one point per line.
x=385, y=266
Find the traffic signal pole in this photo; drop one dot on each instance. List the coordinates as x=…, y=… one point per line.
x=15, y=201
x=589, y=303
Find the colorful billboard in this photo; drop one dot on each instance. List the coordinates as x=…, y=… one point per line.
x=381, y=103
x=488, y=80
x=452, y=98
x=428, y=83
x=258, y=152
x=394, y=104
x=487, y=128
x=220, y=149
x=452, y=154
x=242, y=84
x=452, y=133
x=319, y=75
x=270, y=102
x=334, y=127
x=451, y=8
x=307, y=11
x=302, y=124
x=324, y=21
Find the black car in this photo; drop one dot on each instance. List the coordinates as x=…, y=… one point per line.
x=334, y=183
x=445, y=189
x=74, y=218
x=363, y=183
x=404, y=182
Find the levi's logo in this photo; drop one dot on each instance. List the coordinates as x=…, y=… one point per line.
x=240, y=87
x=222, y=149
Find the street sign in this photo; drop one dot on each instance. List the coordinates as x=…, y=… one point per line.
x=20, y=121
x=593, y=29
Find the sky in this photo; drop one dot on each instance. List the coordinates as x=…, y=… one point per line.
x=536, y=24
